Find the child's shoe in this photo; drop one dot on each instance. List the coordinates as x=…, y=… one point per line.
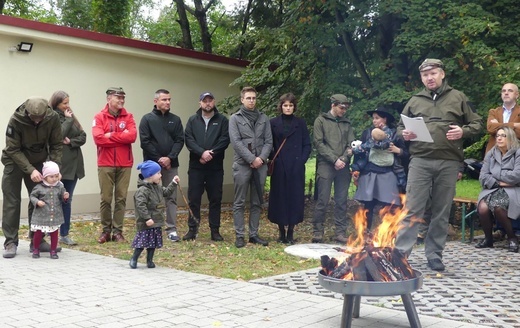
x=36, y=254
x=54, y=255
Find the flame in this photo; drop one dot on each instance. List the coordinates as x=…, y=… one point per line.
x=379, y=243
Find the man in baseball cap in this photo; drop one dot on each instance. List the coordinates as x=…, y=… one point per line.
x=206, y=94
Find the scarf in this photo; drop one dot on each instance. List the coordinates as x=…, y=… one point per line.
x=251, y=115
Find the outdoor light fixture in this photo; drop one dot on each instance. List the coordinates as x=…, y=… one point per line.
x=25, y=47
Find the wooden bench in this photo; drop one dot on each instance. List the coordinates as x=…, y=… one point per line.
x=465, y=205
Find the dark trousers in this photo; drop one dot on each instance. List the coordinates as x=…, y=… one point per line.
x=12, y=189
x=211, y=181
x=66, y=206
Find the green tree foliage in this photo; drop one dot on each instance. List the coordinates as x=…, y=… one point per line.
x=112, y=17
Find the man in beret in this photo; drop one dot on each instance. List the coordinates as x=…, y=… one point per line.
x=114, y=131
x=33, y=136
x=434, y=166
x=162, y=138
x=207, y=138
x=333, y=135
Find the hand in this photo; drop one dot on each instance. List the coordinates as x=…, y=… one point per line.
x=394, y=149
x=349, y=151
x=66, y=141
x=40, y=203
x=108, y=134
x=339, y=164
x=409, y=135
x=207, y=155
x=454, y=133
x=149, y=222
x=258, y=162
x=176, y=179
x=36, y=176
x=493, y=120
x=66, y=196
x=165, y=162
x=68, y=113
x=459, y=176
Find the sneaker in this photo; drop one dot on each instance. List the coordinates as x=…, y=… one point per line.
x=173, y=236
x=10, y=251
x=67, y=241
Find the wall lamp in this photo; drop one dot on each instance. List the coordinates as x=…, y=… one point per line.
x=25, y=47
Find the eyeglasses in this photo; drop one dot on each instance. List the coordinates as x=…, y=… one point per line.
x=501, y=135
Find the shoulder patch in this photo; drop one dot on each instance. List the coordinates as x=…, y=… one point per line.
x=10, y=131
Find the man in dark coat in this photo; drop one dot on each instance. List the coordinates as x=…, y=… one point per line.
x=207, y=138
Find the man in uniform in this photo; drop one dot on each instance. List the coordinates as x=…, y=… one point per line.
x=33, y=136
x=434, y=166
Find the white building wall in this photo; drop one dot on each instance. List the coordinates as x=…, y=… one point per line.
x=84, y=69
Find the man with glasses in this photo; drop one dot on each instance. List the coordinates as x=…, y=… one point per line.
x=506, y=115
x=250, y=135
x=33, y=136
x=434, y=166
x=333, y=135
x=114, y=132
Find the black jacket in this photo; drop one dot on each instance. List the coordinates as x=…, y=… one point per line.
x=198, y=139
x=161, y=136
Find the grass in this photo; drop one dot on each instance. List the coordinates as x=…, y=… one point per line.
x=223, y=259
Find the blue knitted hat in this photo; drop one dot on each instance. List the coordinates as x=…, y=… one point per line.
x=148, y=168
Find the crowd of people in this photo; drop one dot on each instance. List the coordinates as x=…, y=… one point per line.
x=44, y=140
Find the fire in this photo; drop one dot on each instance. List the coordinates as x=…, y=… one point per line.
x=372, y=255
x=383, y=235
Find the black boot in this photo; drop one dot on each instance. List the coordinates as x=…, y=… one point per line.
x=149, y=257
x=282, y=238
x=290, y=235
x=133, y=260
x=191, y=234
x=215, y=235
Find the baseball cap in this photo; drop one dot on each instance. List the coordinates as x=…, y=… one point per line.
x=206, y=94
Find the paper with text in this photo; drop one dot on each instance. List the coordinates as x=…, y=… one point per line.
x=417, y=126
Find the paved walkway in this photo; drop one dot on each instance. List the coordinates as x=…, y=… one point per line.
x=87, y=290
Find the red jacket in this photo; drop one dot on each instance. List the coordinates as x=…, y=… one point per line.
x=115, y=151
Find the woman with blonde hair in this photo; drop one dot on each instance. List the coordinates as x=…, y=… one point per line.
x=500, y=195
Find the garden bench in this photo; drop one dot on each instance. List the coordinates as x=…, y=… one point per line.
x=466, y=204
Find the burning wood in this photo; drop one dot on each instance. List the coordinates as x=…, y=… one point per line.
x=372, y=254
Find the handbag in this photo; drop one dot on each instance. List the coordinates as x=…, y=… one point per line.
x=270, y=163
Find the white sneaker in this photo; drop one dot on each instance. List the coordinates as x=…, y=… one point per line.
x=173, y=236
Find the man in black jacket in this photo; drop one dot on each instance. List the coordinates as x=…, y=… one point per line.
x=162, y=138
x=207, y=138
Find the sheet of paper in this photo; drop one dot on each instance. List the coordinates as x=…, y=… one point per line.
x=417, y=126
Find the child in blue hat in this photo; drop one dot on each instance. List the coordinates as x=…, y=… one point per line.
x=149, y=207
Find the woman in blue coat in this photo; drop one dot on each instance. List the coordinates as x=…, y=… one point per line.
x=287, y=193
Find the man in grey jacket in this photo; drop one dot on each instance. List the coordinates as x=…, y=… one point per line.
x=250, y=135
x=332, y=137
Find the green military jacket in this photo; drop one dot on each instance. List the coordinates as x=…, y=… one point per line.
x=72, y=161
x=29, y=145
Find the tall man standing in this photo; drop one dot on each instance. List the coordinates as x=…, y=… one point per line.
x=333, y=134
x=506, y=115
x=434, y=165
x=250, y=135
x=207, y=138
x=114, y=131
x=162, y=138
x=33, y=136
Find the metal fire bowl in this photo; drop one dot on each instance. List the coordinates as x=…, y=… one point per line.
x=371, y=288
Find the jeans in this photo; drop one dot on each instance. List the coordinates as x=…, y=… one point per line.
x=66, y=207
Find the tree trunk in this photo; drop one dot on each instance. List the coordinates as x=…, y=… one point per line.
x=349, y=46
x=200, y=15
x=2, y=3
x=247, y=14
x=185, y=25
